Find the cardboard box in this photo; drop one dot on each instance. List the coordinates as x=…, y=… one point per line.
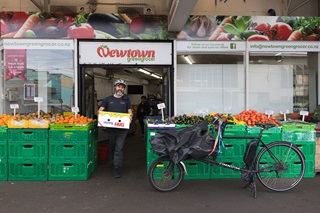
x=18, y=124
x=114, y=120
x=42, y=123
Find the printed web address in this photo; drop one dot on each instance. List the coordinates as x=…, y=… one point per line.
x=264, y=46
x=35, y=44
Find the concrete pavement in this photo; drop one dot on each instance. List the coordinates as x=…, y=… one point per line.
x=132, y=193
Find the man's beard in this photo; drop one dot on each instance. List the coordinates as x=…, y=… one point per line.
x=119, y=93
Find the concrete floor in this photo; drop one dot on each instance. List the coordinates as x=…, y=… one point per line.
x=132, y=193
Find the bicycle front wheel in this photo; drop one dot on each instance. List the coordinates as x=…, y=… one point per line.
x=164, y=175
x=280, y=166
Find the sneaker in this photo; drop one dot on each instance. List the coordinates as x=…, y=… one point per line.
x=116, y=173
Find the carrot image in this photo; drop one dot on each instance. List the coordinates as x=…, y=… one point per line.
x=295, y=36
x=31, y=21
x=126, y=18
x=9, y=35
x=220, y=29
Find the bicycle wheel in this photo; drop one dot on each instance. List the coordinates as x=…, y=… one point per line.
x=280, y=166
x=164, y=175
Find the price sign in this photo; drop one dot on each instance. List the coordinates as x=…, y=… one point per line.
x=38, y=99
x=161, y=106
x=269, y=112
x=304, y=114
x=14, y=106
x=75, y=110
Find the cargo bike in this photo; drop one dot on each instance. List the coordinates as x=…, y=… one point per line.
x=279, y=165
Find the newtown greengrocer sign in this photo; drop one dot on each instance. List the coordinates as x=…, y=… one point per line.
x=125, y=53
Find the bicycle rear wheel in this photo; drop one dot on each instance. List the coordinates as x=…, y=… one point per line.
x=164, y=175
x=280, y=166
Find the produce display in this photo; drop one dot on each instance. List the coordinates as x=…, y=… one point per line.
x=53, y=118
x=247, y=117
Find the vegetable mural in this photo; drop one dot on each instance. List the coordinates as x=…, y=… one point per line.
x=150, y=27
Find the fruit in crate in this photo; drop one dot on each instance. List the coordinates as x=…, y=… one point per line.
x=71, y=119
x=251, y=117
x=4, y=119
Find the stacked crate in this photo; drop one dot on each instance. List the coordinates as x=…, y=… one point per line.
x=304, y=137
x=232, y=153
x=27, y=154
x=72, y=151
x=3, y=154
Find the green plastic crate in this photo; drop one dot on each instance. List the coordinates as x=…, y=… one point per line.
x=80, y=170
x=268, y=136
x=3, y=150
x=76, y=136
x=298, y=126
x=218, y=172
x=70, y=151
x=28, y=151
x=299, y=136
x=3, y=134
x=19, y=171
x=308, y=149
x=3, y=169
x=232, y=150
x=71, y=126
x=151, y=156
x=197, y=170
x=28, y=135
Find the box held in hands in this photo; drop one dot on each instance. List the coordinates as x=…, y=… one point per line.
x=114, y=120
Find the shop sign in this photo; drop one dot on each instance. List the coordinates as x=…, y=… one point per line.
x=133, y=53
x=65, y=44
x=292, y=46
x=16, y=64
x=209, y=46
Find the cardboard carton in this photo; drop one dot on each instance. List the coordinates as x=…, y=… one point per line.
x=114, y=120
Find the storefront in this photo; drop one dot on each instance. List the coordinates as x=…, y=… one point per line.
x=233, y=76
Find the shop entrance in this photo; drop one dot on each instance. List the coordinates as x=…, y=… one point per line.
x=146, y=67
x=96, y=83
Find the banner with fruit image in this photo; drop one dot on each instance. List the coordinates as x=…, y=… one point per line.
x=155, y=27
x=16, y=64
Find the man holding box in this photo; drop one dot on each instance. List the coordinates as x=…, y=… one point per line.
x=118, y=102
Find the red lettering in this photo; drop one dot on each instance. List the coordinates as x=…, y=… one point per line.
x=119, y=124
x=104, y=51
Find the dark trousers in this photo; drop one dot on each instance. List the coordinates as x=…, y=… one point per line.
x=141, y=122
x=117, y=139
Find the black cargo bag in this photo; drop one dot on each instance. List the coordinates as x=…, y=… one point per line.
x=194, y=141
x=250, y=153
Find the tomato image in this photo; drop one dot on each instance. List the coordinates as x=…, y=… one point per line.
x=264, y=28
x=65, y=22
x=258, y=38
x=81, y=30
x=137, y=25
x=281, y=31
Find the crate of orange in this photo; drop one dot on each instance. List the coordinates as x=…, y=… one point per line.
x=71, y=122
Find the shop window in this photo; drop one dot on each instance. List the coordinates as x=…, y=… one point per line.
x=48, y=74
x=213, y=83
x=279, y=82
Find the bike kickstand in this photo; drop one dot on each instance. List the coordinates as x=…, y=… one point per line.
x=252, y=188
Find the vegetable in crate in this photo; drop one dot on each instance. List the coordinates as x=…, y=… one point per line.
x=251, y=117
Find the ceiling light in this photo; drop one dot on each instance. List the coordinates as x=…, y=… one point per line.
x=187, y=59
x=156, y=76
x=144, y=71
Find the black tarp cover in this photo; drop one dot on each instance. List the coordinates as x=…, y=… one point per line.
x=195, y=141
